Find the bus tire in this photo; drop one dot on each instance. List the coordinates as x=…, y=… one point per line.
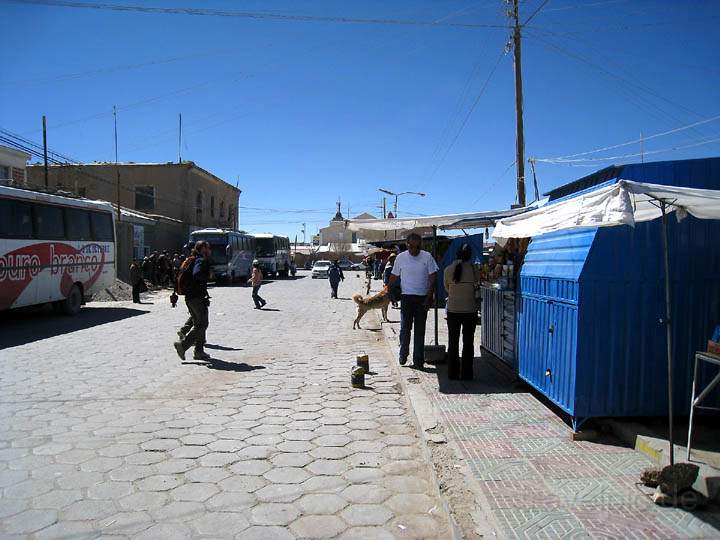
x=71, y=305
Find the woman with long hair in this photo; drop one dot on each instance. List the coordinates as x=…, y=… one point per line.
x=461, y=278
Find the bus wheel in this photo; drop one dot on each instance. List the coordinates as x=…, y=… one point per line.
x=71, y=304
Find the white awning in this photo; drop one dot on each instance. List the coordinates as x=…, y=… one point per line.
x=466, y=220
x=623, y=203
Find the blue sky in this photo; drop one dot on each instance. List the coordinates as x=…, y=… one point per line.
x=301, y=113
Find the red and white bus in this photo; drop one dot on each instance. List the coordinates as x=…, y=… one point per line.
x=53, y=249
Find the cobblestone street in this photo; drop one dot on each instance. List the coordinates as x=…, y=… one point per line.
x=103, y=432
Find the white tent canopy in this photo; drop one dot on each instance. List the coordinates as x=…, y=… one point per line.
x=445, y=221
x=623, y=203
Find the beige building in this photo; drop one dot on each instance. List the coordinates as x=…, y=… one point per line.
x=13, y=164
x=189, y=195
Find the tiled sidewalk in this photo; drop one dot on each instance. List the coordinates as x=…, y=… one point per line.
x=535, y=481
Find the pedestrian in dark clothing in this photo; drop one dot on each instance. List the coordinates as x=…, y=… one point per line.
x=335, y=275
x=153, y=267
x=136, y=280
x=147, y=268
x=460, y=279
x=197, y=301
x=256, y=280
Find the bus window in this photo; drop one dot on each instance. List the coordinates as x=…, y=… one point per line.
x=102, y=227
x=49, y=223
x=15, y=219
x=77, y=223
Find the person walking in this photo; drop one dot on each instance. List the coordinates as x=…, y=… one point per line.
x=197, y=300
x=136, y=280
x=256, y=280
x=417, y=271
x=461, y=278
x=335, y=276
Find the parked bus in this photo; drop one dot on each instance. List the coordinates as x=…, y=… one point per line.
x=273, y=254
x=232, y=252
x=53, y=249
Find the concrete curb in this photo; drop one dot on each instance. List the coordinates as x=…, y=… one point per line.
x=429, y=422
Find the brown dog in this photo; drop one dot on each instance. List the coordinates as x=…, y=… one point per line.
x=380, y=301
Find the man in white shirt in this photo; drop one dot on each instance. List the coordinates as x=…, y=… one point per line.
x=416, y=270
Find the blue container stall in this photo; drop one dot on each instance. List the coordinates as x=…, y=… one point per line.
x=591, y=336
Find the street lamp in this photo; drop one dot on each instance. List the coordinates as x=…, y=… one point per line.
x=396, y=195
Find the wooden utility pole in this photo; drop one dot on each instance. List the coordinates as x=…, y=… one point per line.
x=179, y=137
x=117, y=168
x=520, y=137
x=45, y=149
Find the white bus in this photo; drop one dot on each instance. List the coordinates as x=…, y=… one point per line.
x=53, y=249
x=273, y=254
x=232, y=252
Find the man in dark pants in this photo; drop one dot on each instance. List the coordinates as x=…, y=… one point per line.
x=136, y=281
x=417, y=271
x=197, y=301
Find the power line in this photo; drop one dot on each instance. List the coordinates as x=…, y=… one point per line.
x=467, y=116
x=255, y=15
x=530, y=18
x=630, y=86
x=636, y=141
x=557, y=161
x=102, y=71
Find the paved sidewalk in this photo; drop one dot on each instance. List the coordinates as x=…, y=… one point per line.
x=103, y=432
x=529, y=478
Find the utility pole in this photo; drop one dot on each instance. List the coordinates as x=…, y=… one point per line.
x=303, y=231
x=45, y=149
x=384, y=207
x=117, y=168
x=179, y=137
x=520, y=137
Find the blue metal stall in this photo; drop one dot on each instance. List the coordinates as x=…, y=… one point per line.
x=590, y=331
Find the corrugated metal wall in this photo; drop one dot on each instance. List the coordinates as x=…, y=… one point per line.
x=592, y=301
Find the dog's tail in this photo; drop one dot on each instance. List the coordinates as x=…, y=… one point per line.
x=357, y=298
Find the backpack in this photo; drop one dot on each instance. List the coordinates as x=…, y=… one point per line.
x=185, y=276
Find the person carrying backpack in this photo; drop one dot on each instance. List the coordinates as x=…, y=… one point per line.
x=192, y=283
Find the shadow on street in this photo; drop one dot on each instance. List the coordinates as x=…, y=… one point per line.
x=222, y=365
x=21, y=326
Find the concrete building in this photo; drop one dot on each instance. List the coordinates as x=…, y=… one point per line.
x=337, y=233
x=13, y=165
x=189, y=195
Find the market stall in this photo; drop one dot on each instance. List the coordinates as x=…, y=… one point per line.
x=590, y=332
x=425, y=224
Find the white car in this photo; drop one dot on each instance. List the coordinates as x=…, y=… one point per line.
x=320, y=269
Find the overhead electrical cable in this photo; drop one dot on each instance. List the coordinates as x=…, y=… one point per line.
x=537, y=10
x=255, y=15
x=629, y=86
x=101, y=71
x=636, y=141
x=459, y=131
x=558, y=161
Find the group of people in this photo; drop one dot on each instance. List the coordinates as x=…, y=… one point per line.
x=159, y=269
x=414, y=272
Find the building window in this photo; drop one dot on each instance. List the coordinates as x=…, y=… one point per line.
x=4, y=172
x=212, y=205
x=222, y=208
x=198, y=205
x=144, y=197
x=82, y=192
x=230, y=215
